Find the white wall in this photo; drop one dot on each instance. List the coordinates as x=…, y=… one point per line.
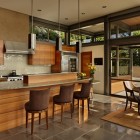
x=97, y=51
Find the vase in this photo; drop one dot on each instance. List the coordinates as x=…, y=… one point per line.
x=92, y=77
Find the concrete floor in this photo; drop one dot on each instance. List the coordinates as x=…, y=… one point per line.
x=87, y=126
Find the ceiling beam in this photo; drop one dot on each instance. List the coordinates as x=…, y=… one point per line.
x=86, y=23
x=128, y=13
x=122, y=25
x=125, y=41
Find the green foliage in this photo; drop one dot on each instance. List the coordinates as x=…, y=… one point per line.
x=136, y=57
x=136, y=33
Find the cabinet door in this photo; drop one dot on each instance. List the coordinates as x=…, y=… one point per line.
x=52, y=55
x=57, y=66
x=44, y=55
x=86, y=58
x=1, y=53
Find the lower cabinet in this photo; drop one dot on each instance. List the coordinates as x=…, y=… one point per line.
x=44, y=54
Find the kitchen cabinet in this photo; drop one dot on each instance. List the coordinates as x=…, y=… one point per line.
x=1, y=52
x=44, y=54
x=57, y=67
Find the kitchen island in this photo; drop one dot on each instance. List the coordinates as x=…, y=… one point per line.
x=13, y=96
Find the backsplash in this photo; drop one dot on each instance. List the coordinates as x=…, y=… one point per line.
x=19, y=63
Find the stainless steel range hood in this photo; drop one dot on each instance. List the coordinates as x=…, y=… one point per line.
x=12, y=47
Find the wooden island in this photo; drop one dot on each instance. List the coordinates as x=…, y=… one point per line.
x=13, y=95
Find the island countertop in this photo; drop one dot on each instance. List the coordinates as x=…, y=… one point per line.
x=20, y=85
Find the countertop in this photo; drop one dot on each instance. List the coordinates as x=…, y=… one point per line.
x=20, y=85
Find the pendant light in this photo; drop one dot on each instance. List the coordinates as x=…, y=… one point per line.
x=58, y=38
x=32, y=36
x=79, y=43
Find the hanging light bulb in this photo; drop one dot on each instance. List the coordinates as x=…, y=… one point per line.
x=58, y=38
x=32, y=36
x=79, y=43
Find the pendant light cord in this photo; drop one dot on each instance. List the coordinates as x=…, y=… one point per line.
x=79, y=17
x=32, y=16
x=59, y=17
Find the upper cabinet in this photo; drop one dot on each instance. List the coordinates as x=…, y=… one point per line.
x=1, y=52
x=44, y=54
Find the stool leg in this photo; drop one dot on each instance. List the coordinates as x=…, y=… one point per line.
x=88, y=100
x=71, y=108
x=82, y=105
x=39, y=118
x=78, y=103
x=26, y=119
x=130, y=104
x=61, y=112
x=32, y=123
x=47, y=119
x=53, y=110
x=73, y=105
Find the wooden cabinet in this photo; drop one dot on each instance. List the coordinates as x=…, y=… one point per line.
x=1, y=52
x=44, y=54
x=57, y=67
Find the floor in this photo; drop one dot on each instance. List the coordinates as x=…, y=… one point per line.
x=83, y=126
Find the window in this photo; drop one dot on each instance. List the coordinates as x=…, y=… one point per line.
x=120, y=61
x=45, y=34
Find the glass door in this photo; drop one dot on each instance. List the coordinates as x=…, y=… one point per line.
x=121, y=68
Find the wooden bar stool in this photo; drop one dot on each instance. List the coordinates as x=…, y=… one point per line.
x=38, y=103
x=65, y=96
x=83, y=94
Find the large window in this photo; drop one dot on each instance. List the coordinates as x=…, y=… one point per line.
x=45, y=34
x=74, y=38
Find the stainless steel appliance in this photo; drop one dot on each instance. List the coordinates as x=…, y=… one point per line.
x=13, y=76
x=69, y=62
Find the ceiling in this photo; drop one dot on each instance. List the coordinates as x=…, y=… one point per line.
x=89, y=9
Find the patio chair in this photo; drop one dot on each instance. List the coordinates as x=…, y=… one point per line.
x=130, y=90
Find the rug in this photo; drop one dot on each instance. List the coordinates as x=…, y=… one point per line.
x=128, y=118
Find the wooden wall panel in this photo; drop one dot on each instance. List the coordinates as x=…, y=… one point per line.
x=56, y=68
x=45, y=78
x=44, y=54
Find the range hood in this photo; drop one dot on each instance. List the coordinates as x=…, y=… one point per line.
x=12, y=47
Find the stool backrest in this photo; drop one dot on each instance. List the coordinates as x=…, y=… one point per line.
x=39, y=99
x=66, y=92
x=85, y=89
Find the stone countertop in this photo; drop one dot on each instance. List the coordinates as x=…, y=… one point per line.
x=48, y=73
x=20, y=85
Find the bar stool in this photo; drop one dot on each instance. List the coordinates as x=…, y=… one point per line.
x=38, y=103
x=83, y=94
x=65, y=96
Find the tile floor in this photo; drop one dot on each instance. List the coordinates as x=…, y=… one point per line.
x=83, y=126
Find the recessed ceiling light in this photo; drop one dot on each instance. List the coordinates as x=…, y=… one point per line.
x=39, y=10
x=104, y=6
